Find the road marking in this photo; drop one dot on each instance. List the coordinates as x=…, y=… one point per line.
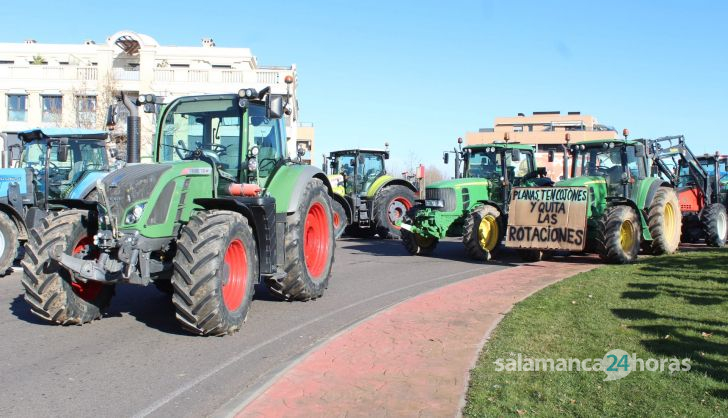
x=192, y=383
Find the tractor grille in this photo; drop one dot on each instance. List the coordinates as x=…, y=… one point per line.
x=131, y=184
x=447, y=195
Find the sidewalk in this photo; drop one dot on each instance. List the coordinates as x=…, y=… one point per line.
x=413, y=359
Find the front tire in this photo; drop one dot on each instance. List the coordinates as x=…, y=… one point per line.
x=483, y=232
x=665, y=222
x=309, y=244
x=715, y=225
x=215, y=268
x=8, y=243
x=389, y=207
x=618, y=235
x=52, y=292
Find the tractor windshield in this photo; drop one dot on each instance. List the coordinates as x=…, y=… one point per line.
x=360, y=169
x=485, y=164
x=203, y=129
x=709, y=167
x=83, y=156
x=599, y=161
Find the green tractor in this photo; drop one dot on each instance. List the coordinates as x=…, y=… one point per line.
x=222, y=209
x=628, y=205
x=368, y=201
x=473, y=206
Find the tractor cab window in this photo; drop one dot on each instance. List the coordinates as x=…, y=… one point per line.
x=483, y=164
x=266, y=134
x=208, y=130
x=370, y=170
x=516, y=169
x=636, y=166
x=599, y=161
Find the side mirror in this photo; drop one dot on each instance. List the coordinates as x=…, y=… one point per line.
x=551, y=155
x=110, y=118
x=274, y=106
x=14, y=152
x=386, y=155
x=446, y=158
x=516, y=155
x=62, y=155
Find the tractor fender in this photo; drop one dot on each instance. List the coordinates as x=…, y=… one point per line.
x=305, y=174
x=17, y=219
x=488, y=202
x=86, y=185
x=653, y=190
x=386, y=181
x=620, y=201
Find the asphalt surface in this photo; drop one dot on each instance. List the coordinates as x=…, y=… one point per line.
x=137, y=361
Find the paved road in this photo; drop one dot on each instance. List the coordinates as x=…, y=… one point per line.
x=137, y=362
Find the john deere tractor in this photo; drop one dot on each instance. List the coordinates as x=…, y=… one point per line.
x=368, y=201
x=702, y=184
x=54, y=164
x=474, y=206
x=221, y=209
x=628, y=207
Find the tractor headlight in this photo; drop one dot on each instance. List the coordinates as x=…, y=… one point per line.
x=134, y=214
x=434, y=203
x=252, y=164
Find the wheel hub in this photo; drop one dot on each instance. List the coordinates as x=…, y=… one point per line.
x=398, y=207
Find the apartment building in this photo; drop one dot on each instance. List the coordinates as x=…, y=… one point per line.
x=546, y=130
x=72, y=85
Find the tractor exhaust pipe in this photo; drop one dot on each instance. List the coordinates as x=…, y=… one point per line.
x=133, y=131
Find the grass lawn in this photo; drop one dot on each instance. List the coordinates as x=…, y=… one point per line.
x=660, y=307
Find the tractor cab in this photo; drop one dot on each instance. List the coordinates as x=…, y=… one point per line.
x=498, y=162
x=616, y=163
x=61, y=158
x=358, y=167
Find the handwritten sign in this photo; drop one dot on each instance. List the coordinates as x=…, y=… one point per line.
x=547, y=218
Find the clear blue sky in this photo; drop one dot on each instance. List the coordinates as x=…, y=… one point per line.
x=421, y=73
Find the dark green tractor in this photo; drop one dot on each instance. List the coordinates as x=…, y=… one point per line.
x=629, y=207
x=474, y=206
x=221, y=209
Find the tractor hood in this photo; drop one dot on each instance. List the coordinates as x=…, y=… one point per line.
x=146, y=188
x=459, y=183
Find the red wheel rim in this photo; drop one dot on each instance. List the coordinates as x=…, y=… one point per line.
x=236, y=260
x=316, y=240
x=398, y=207
x=89, y=290
x=337, y=220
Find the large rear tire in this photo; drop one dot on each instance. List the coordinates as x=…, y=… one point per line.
x=665, y=222
x=715, y=225
x=8, y=243
x=309, y=244
x=215, y=268
x=618, y=235
x=52, y=292
x=390, y=206
x=483, y=231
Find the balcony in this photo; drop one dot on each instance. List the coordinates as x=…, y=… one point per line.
x=46, y=72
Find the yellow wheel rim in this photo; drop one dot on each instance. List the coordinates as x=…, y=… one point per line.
x=488, y=233
x=626, y=236
x=669, y=222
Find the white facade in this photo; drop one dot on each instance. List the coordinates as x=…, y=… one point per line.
x=72, y=85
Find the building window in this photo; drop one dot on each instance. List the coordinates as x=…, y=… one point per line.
x=52, y=109
x=518, y=128
x=17, y=107
x=86, y=111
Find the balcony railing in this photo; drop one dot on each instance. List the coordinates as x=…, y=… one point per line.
x=48, y=72
x=268, y=77
x=126, y=74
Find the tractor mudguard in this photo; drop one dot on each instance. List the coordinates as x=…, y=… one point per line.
x=87, y=183
x=387, y=180
x=266, y=224
x=16, y=217
x=652, y=189
x=289, y=182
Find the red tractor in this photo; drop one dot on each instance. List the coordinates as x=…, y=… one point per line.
x=702, y=184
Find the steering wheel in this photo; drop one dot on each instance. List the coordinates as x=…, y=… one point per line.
x=53, y=169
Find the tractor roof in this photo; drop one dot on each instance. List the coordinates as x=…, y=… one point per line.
x=601, y=141
x=358, y=150
x=527, y=147
x=75, y=133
